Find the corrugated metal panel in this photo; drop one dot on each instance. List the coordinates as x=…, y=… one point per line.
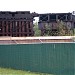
x=54, y=58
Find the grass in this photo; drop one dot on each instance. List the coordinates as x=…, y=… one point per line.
x=5, y=71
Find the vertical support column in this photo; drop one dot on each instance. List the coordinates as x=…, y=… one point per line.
x=27, y=28
x=71, y=17
x=19, y=28
x=66, y=17
x=10, y=28
x=41, y=26
x=2, y=28
x=39, y=18
x=31, y=28
x=16, y=28
x=22, y=28
x=6, y=28
x=48, y=18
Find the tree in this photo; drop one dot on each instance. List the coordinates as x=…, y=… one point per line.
x=37, y=32
x=61, y=30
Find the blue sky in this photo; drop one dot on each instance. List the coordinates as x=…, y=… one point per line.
x=39, y=6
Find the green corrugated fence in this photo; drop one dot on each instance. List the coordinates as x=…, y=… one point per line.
x=54, y=58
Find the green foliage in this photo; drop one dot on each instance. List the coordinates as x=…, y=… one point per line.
x=74, y=32
x=37, y=32
x=61, y=30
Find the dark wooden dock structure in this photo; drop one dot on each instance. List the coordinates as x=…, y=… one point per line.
x=50, y=20
x=20, y=23
x=16, y=24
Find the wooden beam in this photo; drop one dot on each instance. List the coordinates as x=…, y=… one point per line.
x=19, y=28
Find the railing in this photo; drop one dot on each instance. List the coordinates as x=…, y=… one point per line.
x=35, y=40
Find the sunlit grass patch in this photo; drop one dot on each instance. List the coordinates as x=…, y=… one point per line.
x=5, y=71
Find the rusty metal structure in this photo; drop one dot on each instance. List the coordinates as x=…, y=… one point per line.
x=16, y=24
x=51, y=20
x=20, y=23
